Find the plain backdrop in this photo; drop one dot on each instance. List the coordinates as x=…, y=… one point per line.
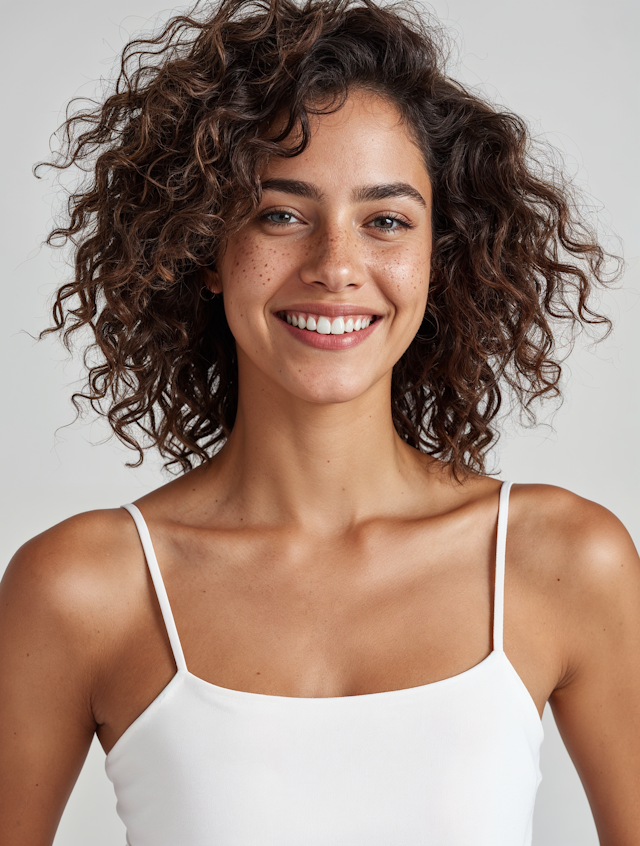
x=570, y=67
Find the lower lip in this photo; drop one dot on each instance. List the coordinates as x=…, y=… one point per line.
x=330, y=342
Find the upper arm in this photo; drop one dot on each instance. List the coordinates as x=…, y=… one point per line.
x=597, y=706
x=50, y=641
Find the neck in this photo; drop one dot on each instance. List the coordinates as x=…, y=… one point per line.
x=321, y=466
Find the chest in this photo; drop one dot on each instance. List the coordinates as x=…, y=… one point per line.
x=300, y=617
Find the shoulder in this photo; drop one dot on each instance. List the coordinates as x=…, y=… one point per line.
x=68, y=578
x=87, y=546
x=574, y=562
x=571, y=534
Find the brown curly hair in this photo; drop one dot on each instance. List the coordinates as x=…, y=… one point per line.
x=172, y=157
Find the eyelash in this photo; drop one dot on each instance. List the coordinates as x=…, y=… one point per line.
x=390, y=216
x=265, y=216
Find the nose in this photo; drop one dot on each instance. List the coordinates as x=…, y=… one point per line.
x=334, y=259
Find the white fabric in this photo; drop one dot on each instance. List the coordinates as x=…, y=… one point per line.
x=452, y=763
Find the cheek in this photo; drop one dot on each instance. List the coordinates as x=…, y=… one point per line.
x=252, y=272
x=246, y=275
x=407, y=281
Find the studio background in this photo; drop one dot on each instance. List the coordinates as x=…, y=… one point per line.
x=570, y=67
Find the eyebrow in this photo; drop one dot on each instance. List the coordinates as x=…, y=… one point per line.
x=387, y=191
x=367, y=193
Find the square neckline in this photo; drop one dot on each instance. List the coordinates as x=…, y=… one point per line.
x=176, y=645
x=183, y=673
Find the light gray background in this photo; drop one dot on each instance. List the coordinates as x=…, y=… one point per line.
x=569, y=66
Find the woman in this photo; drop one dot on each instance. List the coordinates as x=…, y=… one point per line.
x=313, y=264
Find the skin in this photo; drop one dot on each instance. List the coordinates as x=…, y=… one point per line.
x=317, y=554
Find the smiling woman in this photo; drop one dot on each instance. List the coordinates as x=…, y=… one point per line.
x=345, y=254
x=179, y=151
x=313, y=264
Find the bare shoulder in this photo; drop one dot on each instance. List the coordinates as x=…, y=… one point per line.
x=65, y=613
x=576, y=584
x=68, y=575
x=86, y=547
x=569, y=536
x=576, y=559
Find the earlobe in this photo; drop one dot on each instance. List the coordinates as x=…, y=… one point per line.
x=211, y=280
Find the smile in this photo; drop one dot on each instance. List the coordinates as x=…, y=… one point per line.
x=326, y=326
x=339, y=328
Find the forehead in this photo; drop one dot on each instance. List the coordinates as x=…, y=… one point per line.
x=365, y=142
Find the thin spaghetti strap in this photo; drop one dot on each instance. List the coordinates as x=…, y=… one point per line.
x=501, y=548
x=161, y=592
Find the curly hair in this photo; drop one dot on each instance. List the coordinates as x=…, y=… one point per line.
x=172, y=157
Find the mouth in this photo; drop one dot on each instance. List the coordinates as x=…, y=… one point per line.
x=324, y=325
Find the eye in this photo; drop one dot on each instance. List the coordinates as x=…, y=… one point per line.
x=389, y=223
x=279, y=217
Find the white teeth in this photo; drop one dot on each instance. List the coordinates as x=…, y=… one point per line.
x=324, y=326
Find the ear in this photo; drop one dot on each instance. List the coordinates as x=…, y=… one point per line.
x=211, y=279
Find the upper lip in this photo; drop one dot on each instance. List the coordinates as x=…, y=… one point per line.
x=328, y=310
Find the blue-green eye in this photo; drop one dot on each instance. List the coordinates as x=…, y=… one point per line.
x=279, y=217
x=388, y=223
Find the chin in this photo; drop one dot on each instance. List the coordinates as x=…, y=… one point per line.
x=331, y=391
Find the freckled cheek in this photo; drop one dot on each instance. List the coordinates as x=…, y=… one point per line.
x=259, y=272
x=250, y=278
x=406, y=284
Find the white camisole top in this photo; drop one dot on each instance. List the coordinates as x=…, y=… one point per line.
x=450, y=763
